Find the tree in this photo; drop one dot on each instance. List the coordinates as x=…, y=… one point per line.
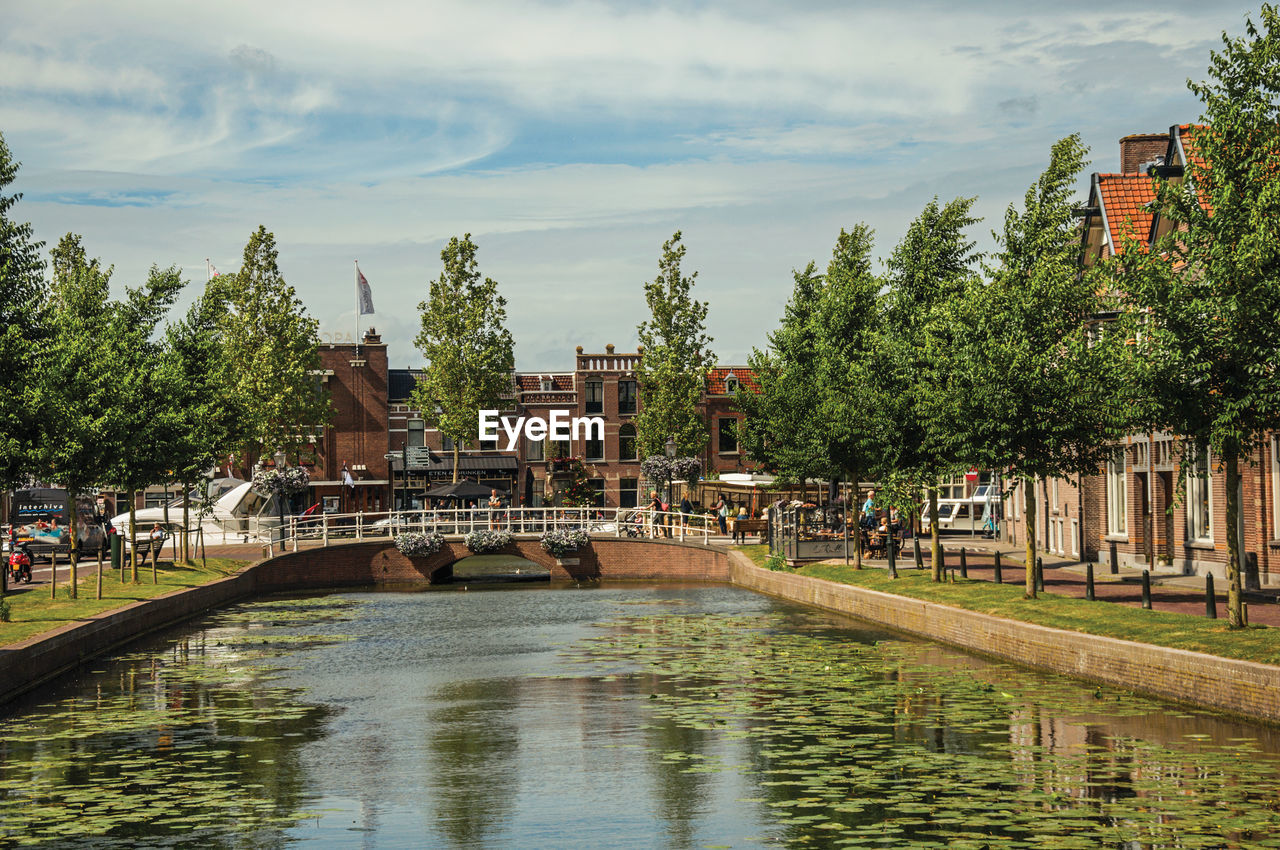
x=1204, y=299
x=1039, y=396
x=783, y=428
x=270, y=351
x=672, y=370
x=212, y=415
x=23, y=295
x=469, y=351
x=909, y=382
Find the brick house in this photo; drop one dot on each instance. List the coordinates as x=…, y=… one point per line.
x=534, y=473
x=1140, y=501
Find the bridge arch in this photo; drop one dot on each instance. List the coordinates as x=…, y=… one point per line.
x=379, y=562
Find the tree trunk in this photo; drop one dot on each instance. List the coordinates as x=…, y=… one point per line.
x=133, y=537
x=457, y=456
x=73, y=550
x=935, y=533
x=186, y=523
x=1030, y=484
x=857, y=525
x=1235, y=610
x=99, y=572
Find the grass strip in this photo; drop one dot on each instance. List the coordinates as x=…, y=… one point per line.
x=1159, y=628
x=31, y=611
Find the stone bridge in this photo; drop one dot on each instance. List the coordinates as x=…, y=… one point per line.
x=378, y=561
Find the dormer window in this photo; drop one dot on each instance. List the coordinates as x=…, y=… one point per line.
x=731, y=383
x=547, y=384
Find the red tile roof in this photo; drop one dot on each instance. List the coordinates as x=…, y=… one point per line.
x=716, y=378
x=533, y=382
x=1126, y=203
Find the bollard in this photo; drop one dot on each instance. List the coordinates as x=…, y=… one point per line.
x=1039, y=574
x=1088, y=581
x=1115, y=566
x=1146, y=589
x=889, y=549
x=919, y=559
x=964, y=566
x=1210, y=601
x=999, y=574
x=117, y=563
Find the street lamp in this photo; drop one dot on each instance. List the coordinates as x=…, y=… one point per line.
x=280, y=458
x=671, y=453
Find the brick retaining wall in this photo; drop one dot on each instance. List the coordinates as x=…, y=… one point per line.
x=1237, y=687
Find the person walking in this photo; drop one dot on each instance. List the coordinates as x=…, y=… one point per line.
x=686, y=510
x=722, y=514
x=655, y=513
x=495, y=507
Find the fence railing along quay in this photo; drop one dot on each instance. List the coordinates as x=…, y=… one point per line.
x=327, y=529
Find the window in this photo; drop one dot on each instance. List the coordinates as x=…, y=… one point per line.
x=951, y=487
x=728, y=429
x=731, y=383
x=446, y=443
x=417, y=433
x=1199, y=498
x=533, y=449
x=153, y=499
x=626, y=396
x=1053, y=495
x=1117, y=514
x=1275, y=490
x=628, y=492
x=627, y=442
x=597, y=492
x=560, y=448
x=595, y=449
x=595, y=397
x=546, y=384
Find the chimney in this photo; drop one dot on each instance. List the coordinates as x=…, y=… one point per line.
x=371, y=337
x=1142, y=148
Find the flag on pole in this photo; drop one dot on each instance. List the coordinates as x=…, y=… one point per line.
x=213, y=271
x=364, y=293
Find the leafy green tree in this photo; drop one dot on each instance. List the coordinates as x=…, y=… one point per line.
x=23, y=295
x=212, y=415
x=672, y=370
x=469, y=351
x=270, y=351
x=783, y=428
x=848, y=322
x=577, y=492
x=1205, y=299
x=810, y=418
x=1040, y=397
x=909, y=382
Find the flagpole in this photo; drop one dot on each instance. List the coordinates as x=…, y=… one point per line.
x=208, y=270
x=356, y=268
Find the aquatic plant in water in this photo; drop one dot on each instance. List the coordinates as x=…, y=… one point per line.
x=907, y=744
x=191, y=747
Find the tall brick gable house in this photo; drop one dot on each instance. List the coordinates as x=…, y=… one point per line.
x=1138, y=501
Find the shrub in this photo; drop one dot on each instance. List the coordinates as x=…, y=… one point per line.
x=486, y=541
x=289, y=481
x=562, y=541
x=777, y=563
x=415, y=544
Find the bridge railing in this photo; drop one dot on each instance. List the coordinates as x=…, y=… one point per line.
x=609, y=522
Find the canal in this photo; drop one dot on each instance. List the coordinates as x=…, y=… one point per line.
x=650, y=716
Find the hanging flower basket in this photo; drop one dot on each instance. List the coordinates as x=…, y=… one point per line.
x=487, y=541
x=289, y=481
x=561, y=541
x=414, y=544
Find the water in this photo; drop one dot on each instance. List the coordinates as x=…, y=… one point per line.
x=667, y=716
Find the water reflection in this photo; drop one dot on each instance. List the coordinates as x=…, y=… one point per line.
x=677, y=717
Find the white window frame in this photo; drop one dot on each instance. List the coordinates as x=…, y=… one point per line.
x=1200, y=498
x=1275, y=486
x=1117, y=495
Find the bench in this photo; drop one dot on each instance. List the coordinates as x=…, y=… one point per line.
x=145, y=545
x=743, y=527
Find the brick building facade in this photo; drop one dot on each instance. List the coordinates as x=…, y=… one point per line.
x=1141, y=501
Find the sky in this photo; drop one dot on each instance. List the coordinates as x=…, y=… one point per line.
x=569, y=139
